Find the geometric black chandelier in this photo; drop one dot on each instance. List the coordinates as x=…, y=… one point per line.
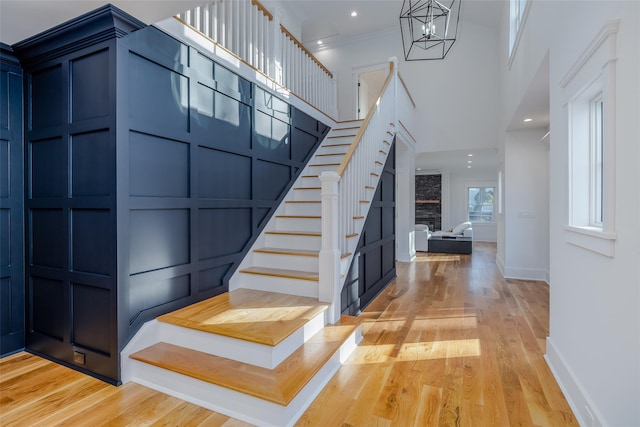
x=429, y=28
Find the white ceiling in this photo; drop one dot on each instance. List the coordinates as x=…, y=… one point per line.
x=457, y=161
x=331, y=19
x=20, y=19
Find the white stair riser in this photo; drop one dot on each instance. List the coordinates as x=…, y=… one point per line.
x=333, y=158
x=283, y=285
x=318, y=168
x=350, y=123
x=293, y=241
x=265, y=356
x=347, y=139
x=345, y=130
x=303, y=209
x=309, y=194
x=307, y=182
x=298, y=224
x=238, y=405
x=287, y=262
x=331, y=149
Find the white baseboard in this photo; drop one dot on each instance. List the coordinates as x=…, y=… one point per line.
x=580, y=404
x=525, y=274
x=500, y=264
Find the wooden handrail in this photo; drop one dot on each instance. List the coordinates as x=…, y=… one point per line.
x=407, y=90
x=262, y=9
x=365, y=123
x=305, y=50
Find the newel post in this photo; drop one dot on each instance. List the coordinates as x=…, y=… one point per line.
x=329, y=273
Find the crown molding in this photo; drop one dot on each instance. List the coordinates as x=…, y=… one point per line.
x=105, y=23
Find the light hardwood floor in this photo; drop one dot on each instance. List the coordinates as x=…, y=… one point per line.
x=449, y=343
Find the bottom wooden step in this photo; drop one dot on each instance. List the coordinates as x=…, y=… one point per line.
x=279, y=385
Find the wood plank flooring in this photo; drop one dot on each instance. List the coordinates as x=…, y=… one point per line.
x=449, y=343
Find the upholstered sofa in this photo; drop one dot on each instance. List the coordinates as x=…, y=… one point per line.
x=423, y=234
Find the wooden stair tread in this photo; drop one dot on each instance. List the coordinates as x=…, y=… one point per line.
x=295, y=233
x=325, y=164
x=299, y=216
x=341, y=136
x=295, y=252
x=279, y=385
x=330, y=154
x=285, y=251
x=281, y=272
x=236, y=314
x=337, y=145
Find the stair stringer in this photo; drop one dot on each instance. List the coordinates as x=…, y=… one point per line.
x=352, y=243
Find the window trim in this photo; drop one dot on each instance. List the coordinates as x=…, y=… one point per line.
x=466, y=201
x=517, y=24
x=593, y=76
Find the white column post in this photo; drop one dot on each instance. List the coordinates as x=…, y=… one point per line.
x=329, y=273
x=395, y=83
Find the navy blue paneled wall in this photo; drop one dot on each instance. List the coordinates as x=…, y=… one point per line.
x=208, y=157
x=71, y=209
x=374, y=261
x=12, y=312
x=150, y=169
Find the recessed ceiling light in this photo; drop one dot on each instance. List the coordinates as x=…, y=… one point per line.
x=469, y=167
x=354, y=14
x=419, y=169
x=469, y=161
x=319, y=42
x=528, y=120
x=469, y=155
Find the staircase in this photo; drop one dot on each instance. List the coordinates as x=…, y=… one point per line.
x=262, y=352
x=286, y=257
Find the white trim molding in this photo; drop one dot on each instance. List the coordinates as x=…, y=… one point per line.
x=582, y=407
x=593, y=239
x=592, y=75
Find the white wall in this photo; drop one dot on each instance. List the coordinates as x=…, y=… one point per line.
x=526, y=206
x=456, y=98
x=456, y=211
x=594, y=341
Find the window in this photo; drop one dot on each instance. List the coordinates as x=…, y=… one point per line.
x=587, y=145
x=595, y=190
x=517, y=15
x=480, y=203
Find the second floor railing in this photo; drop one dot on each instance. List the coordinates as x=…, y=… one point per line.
x=252, y=33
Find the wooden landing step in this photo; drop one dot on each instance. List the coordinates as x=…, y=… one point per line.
x=279, y=385
x=256, y=316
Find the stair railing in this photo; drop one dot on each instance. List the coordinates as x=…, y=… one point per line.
x=346, y=194
x=251, y=32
